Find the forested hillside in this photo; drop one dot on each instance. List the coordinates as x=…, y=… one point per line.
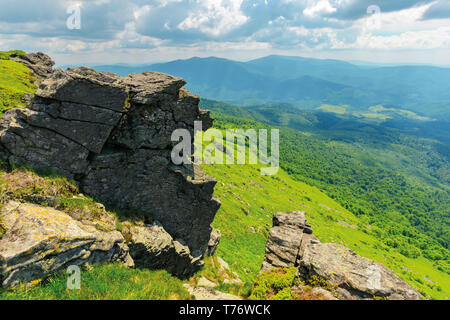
x=390, y=179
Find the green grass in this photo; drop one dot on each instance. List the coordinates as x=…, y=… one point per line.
x=249, y=201
x=274, y=284
x=6, y=55
x=15, y=81
x=106, y=282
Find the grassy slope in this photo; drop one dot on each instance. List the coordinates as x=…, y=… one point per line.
x=244, y=188
x=107, y=282
x=399, y=180
x=15, y=80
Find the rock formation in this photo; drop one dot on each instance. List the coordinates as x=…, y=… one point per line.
x=289, y=231
x=112, y=135
x=42, y=240
x=291, y=244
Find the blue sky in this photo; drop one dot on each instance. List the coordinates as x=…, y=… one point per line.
x=139, y=31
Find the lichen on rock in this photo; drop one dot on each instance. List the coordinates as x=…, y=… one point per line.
x=348, y=275
x=41, y=240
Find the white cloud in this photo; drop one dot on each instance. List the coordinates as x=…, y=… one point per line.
x=319, y=8
x=427, y=39
x=215, y=17
x=184, y=27
x=403, y=29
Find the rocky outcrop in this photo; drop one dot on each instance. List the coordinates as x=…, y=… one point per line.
x=40, y=63
x=291, y=244
x=41, y=240
x=285, y=239
x=112, y=135
x=355, y=277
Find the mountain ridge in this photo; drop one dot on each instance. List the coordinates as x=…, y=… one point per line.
x=422, y=89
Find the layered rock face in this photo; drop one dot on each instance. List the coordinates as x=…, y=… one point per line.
x=289, y=231
x=291, y=244
x=112, y=135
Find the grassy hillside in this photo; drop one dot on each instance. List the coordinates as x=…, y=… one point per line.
x=250, y=199
x=397, y=180
x=248, y=203
x=15, y=80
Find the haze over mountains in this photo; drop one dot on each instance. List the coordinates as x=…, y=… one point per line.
x=309, y=83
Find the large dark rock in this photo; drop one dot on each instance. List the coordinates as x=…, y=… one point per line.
x=39, y=147
x=113, y=136
x=85, y=86
x=145, y=180
x=292, y=244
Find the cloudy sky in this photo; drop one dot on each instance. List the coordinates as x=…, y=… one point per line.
x=141, y=31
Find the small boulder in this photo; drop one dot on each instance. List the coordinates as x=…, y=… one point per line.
x=39, y=241
x=201, y=293
x=285, y=239
x=203, y=282
x=213, y=243
x=351, y=277
x=354, y=277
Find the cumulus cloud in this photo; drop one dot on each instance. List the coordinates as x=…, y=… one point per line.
x=186, y=25
x=319, y=8
x=100, y=19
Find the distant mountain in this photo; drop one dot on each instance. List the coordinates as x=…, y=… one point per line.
x=308, y=82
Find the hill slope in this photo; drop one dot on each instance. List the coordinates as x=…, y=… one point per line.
x=248, y=203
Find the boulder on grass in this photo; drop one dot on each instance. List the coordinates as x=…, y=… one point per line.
x=40, y=241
